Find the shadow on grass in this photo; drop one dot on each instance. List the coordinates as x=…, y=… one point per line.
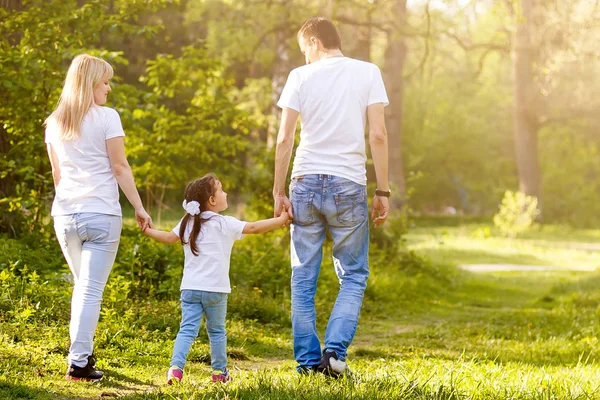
x=309, y=389
x=119, y=381
x=12, y=391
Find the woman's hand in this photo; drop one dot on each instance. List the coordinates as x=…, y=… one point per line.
x=143, y=219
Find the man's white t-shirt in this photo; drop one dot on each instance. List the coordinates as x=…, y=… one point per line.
x=87, y=182
x=332, y=96
x=209, y=270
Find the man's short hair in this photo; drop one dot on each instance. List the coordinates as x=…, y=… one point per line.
x=322, y=29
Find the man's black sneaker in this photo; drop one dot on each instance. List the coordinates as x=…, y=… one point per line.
x=304, y=370
x=332, y=366
x=89, y=373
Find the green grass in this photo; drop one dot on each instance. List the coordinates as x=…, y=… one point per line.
x=425, y=333
x=557, y=246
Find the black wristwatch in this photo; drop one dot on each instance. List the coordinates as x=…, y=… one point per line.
x=383, y=193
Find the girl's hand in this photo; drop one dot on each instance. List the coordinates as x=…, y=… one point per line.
x=143, y=219
x=284, y=219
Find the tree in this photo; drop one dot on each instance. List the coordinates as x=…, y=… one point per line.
x=526, y=124
x=38, y=39
x=395, y=58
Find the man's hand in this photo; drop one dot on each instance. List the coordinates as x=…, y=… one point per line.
x=283, y=204
x=379, y=210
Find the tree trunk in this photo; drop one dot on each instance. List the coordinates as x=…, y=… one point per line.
x=395, y=57
x=525, y=120
x=280, y=75
x=7, y=184
x=362, y=46
x=16, y=5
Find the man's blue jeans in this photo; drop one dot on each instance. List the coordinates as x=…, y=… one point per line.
x=194, y=304
x=320, y=202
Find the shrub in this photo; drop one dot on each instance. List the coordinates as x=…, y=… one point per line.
x=153, y=269
x=516, y=214
x=25, y=296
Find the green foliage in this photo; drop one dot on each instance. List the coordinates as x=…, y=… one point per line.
x=570, y=163
x=36, y=44
x=516, y=213
x=196, y=127
x=390, y=236
x=25, y=296
x=151, y=269
x=458, y=139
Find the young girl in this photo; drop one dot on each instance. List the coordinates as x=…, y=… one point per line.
x=207, y=239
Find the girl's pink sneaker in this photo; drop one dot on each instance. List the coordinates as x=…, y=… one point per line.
x=221, y=376
x=174, y=375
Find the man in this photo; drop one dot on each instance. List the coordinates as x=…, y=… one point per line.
x=333, y=95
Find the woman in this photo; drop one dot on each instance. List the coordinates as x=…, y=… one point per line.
x=87, y=154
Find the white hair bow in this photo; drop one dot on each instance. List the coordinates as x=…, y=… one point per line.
x=192, y=208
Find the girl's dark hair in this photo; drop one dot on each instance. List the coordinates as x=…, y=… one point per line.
x=201, y=191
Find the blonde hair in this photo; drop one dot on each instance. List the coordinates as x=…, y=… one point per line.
x=77, y=96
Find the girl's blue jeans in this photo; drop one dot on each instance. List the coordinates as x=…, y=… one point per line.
x=195, y=304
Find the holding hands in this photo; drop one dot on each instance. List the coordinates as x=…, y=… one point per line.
x=284, y=219
x=144, y=220
x=283, y=209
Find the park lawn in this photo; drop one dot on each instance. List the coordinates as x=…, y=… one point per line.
x=478, y=243
x=445, y=335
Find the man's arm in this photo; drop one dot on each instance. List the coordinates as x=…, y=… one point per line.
x=283, y=155
x=379, y=149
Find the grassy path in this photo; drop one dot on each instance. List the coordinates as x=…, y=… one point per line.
x=432, y=334
x=500, y=335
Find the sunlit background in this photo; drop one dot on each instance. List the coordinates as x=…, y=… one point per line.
x=486, y=96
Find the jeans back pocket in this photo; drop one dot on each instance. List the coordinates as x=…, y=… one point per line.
x=302, y=205
x=351, y=206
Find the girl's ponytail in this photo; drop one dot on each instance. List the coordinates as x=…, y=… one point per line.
x=199, y=191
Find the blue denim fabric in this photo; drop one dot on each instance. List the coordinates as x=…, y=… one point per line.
x=323, y=202
x=194, y=304
x=89, y=242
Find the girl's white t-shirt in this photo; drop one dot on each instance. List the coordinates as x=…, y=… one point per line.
x=209, y=270
x=87, y=182
x=332, y=96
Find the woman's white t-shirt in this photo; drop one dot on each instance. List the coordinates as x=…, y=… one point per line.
x=87, y=182
x=209, y=270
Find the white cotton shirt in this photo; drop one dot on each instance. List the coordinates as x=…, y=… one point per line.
x=209, y=270
x=332, y=96
x=87, y=182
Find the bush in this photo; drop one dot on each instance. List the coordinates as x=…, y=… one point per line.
x=153, y=269
x=255, y=305
x=25, y=296
x=517, y=213
x=390, y=236
x=262, y=261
